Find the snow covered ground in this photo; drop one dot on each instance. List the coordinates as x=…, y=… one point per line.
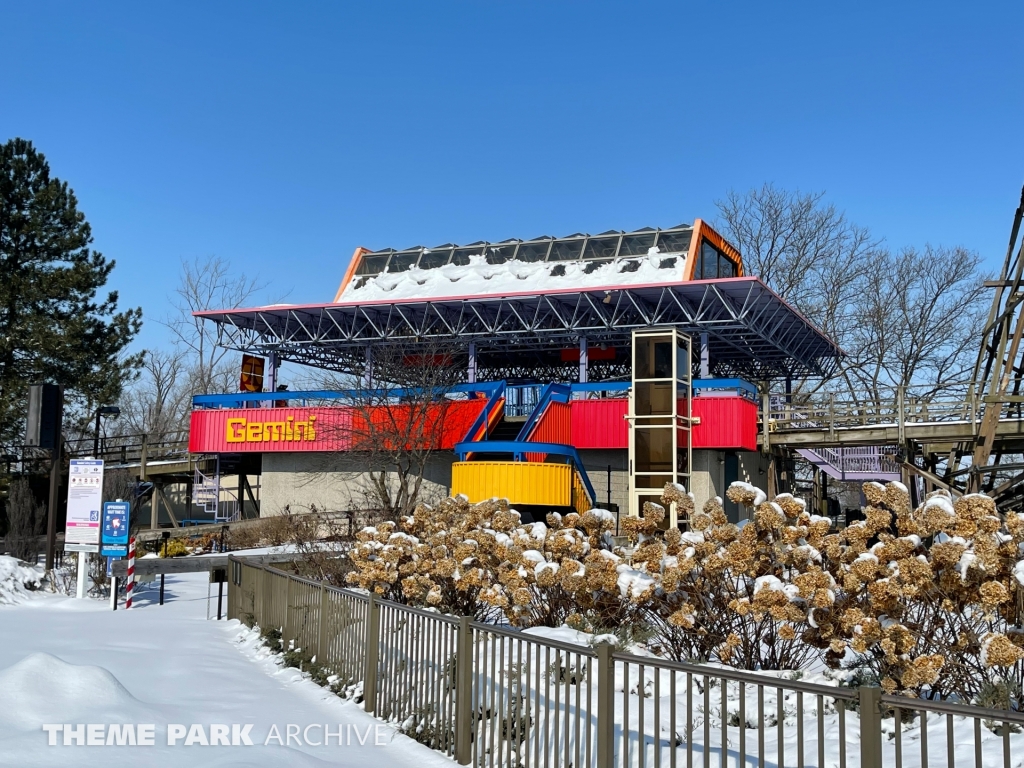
x=77, y=662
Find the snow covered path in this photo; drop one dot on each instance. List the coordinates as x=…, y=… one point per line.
x=175, y=668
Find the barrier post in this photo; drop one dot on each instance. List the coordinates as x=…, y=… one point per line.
x=605, y=706
x=321, y=630
x=130, y=586
x=871, y=727
x=370, y=653
x=464, y=720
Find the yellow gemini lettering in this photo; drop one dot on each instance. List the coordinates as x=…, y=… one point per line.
x=235, y=432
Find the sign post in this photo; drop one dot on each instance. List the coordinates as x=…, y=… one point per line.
x=114, y=538
x=114, y=533
x=85, y=500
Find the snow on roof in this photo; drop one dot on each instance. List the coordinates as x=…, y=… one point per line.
x=478, y=277
x=611, y=259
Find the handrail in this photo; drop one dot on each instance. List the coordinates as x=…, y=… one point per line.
x=479, y=429
x=519, y=449
x=744, y=387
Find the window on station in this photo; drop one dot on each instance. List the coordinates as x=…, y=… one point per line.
x=712, y=264
x=533, y=250
x=403, y=260
x=601, y=247
x=566, y=250
x=638, y=244
x=434, y=258
x=674, y=242
x=501, y=252
x=373, y=263
x=461, y=255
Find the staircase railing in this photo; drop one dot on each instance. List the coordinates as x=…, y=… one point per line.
x=488, y=417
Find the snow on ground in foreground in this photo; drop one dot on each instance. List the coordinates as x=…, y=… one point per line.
x=75, y=661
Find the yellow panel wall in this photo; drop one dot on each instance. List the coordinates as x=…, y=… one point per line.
x=519, y=482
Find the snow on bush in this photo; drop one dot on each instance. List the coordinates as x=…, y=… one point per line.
x=16, y=580
x=926, y=601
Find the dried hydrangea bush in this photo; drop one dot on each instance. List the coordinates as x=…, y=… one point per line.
x=481, y=560
x=928, y=601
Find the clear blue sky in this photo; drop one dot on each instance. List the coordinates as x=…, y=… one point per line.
x=282, y=135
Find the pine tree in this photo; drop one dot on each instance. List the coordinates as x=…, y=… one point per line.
x=53, y=327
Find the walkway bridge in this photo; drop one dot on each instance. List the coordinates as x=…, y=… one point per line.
x=890, y=436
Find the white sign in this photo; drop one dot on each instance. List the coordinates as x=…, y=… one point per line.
x=85, y=502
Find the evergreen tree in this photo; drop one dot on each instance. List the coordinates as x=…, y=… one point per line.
x=53, y=327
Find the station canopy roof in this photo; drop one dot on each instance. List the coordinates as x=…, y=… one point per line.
x=751, y=331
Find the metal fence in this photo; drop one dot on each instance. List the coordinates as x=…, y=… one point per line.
x=495, y=697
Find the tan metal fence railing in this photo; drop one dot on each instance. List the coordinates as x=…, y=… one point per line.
x=495, y=697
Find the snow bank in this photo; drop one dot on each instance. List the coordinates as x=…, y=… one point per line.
x=44, y=689
x=17, y=581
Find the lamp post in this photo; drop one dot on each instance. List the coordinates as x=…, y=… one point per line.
x=106, y=410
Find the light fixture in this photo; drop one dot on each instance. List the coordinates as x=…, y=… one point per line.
x=607, y=297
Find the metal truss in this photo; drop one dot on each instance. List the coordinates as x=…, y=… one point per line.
x=751, y=331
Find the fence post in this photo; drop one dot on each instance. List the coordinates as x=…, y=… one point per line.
x=871, y=727
x=321, y=630
x=371, y=650
x=464, y=720
x=605, y=706
x=285, y=634
x=265, y=603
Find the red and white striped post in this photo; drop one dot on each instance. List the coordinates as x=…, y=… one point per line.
x=131, y=573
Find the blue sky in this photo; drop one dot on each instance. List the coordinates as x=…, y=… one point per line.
x=282, y=135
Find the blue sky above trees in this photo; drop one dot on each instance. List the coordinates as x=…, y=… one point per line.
x=281, y=136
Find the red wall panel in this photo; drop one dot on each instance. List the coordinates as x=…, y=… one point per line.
x=442, y=426
x=281, y=430
x=552, y=427
x=269, y=430
x=599, y=423
x=725, y=422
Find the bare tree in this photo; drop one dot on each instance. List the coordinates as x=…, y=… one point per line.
x=903, y=318
x=208, y=284
x=400, y=419
x=917, y=323
x=159, y=401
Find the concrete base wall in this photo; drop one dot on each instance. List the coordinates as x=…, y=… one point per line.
x=707, y=476
x=335, y=482
x=596, y=462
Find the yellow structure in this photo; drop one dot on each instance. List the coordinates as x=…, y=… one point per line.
x=521, y=482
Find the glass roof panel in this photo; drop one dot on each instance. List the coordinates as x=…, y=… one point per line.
x=373, y=263
x=501, y=252
x=675, y=242
x=566, y=250
x=402, y=260
x=601, y=247
x=637, y=244
x=533, y=250
x=462, y=255
x=434, y=258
